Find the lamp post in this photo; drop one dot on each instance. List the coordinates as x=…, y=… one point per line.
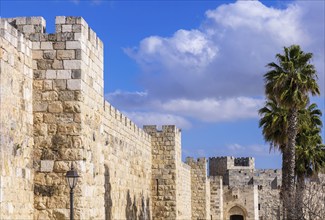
x=72, y=177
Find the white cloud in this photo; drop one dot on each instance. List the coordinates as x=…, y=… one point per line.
x=227, y=55
x=159, y=119
x=185, y=50
x=214, y=110
x=258, y=19
x=215, y=72
x=207, y=110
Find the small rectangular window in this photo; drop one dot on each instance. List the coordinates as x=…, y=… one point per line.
x=259, y=206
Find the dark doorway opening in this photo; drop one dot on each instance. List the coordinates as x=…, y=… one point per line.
x=236, y=217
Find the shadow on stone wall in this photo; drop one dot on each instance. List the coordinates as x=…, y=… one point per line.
x=108, y=198
x=145, y=210
x=131, y=209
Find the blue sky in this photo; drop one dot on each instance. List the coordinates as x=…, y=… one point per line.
x=196, y=64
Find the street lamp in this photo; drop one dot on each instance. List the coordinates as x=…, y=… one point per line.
x=72, y=177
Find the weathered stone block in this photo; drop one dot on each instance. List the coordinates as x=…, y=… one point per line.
x=66, y=96
x=61, y=166
x=64, y=74
x=49, y=54
x=50, y=96
x=60, y=84
x=55, y=107
x=48, y=84
x=47, y=165
x=46, y=45
x=60, y=20
x=73, y=45
x=44, y=64
x=66, y=28
x=74, y=84
x=66, y=54
x=37, y=54
x=28, y=29
x=57, y=64
x=50, y=74
x=59, y=45
x=40, y=107
x=76, y=74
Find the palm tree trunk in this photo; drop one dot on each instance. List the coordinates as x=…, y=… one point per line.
x=290, y=157
x=284, y=186
x=300, y=195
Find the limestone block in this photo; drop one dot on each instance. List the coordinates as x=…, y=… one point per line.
x=59, y=45
x=46, y=45
x=40, y=129
x=38, y=117
x=21, y=21
x=50, y=96
x=65, y=54
x=51, y=129
x=61, y=166
x=40, y=107
x=66, y=28
x=60, y=84
x=72, y=64
x=28, y=29
x=55, y=107
x=66, y=96
x=50, y=74
x=57, y=64
x=49, y=118
x=36, y=45
x=48, y=84
x=60, y=20
x=76, y=28
x=74, y=84
x=72, y=107
x=49, y=54
x=44, y=64
x=73, y=45
x=64, y=74
x=37, y=54
x=38, y=20
x=47, y=165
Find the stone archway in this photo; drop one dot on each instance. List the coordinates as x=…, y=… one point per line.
x=237, y=213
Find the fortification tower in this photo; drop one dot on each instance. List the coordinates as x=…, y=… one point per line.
x=232, y=169
x=57, y=80
x=200, y=186
x=171, y=192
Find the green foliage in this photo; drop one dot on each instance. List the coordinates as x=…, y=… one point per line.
x=292, y=80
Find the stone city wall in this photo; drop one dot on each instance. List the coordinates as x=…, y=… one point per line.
x=216, y=197
x=240, y=201
x=72, y=123
x=268, y=182
x=16, y=124
x=127, y=163
x=164, y=174
x=184, y=192
x=200, y=186
x=53, y=114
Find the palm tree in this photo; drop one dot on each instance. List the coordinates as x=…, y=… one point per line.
x=310, y=154
x=289, y=83
x=274, y=123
